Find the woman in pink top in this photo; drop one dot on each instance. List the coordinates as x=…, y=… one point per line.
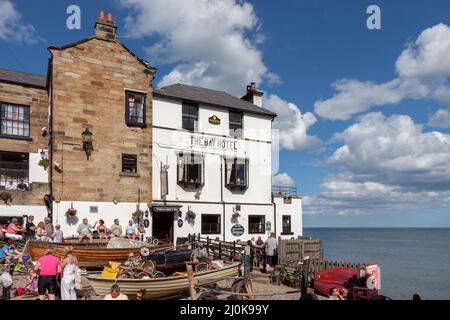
x=49, y=266
x=12, y=232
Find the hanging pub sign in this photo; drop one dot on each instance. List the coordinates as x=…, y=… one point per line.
x=237, y=230
x=214, y=120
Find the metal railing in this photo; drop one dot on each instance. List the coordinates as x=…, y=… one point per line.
x=284, y=191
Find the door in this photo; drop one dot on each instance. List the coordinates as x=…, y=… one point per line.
x=163, y=226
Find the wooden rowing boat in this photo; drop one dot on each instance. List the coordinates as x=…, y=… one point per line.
x=95, y=254
x=162, y=287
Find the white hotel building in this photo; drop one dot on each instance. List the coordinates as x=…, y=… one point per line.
x=212, y=155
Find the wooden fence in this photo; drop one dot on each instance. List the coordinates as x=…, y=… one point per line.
x=323, y=265
x=295, y=250
x=218, y=249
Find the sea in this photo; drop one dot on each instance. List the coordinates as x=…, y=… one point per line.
x=411, y=260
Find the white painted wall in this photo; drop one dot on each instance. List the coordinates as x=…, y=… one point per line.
x=36, y=172
x=39, y=212
x=203, y=208
x=107, y=211
x=295, y=211
x=168, y=113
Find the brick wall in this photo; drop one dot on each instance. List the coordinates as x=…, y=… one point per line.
x=89, y=81
x=37, y=100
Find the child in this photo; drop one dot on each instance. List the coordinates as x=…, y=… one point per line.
x=141, y=232
x=32, y=282
x=58, y=235
x=6, y=282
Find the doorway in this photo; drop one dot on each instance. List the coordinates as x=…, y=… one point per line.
x=163, y=226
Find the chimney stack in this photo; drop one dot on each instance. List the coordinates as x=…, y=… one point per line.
x=253, y=96
x=105, y=28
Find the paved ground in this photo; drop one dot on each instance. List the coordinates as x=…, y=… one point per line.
x=261, y=284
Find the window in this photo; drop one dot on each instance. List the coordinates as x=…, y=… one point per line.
x=287, y=225
x=210, y=224
x=93, y=209
x=15, y=120
x=190, y=117
x=135, y=114
x=129, y=163
x=190, y=168
x=235, y=124
x=13, y=168
x=237, y=173
x=256, y=224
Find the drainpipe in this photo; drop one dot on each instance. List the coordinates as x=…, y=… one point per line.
x=274, y=217
x=221, y=199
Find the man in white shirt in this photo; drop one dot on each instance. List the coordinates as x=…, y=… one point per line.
x=115, y=294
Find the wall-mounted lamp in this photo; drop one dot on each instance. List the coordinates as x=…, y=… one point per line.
x=87, y=142
x=115, y=201
x=147, y=213
x=44, y=155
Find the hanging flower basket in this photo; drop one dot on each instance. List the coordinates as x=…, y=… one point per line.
x=6, y=197
x=71, y=212
x=44, y=163
x=190, y=215
x=235, y=216
x=138, y=213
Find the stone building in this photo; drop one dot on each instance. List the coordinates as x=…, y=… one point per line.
x=114, y=147
x=98, y=132
x=99, y=87
x=23, y=112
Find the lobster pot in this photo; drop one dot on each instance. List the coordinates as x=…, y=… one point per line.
x=170, y=258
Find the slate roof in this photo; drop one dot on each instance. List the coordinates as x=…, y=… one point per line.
x=210, y=97
x=34, y=80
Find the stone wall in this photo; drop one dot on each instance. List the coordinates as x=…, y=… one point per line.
x=89, y=82
x=37, y=99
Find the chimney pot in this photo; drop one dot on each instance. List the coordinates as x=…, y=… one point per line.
x=110, y=17
x=102, y=15
x=253, y=87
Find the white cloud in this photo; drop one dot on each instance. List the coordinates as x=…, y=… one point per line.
x=440, y=119
x=423, y=69
x=342, y=196
x=211, y=42
x=12, y=28
x=283, y=180
x=389, y=163
x=396, y=151
x=292, y=124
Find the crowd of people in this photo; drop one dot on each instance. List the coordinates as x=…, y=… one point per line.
x=45, y=231
x=50, y=276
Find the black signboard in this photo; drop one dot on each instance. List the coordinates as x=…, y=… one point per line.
x=146, y=223
x=237, y=230
x=166, y=209
x=180, y=223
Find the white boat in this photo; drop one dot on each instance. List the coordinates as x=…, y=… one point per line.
x=162, y=287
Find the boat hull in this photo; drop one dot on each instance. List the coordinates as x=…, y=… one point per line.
x=161, y=288
x=88, y=255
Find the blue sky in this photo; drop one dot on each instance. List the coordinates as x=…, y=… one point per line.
x=383, y=163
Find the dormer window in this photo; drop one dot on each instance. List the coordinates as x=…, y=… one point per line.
x=135, y=113
x=190, y=117
x=237, y=173
x=235, y=122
